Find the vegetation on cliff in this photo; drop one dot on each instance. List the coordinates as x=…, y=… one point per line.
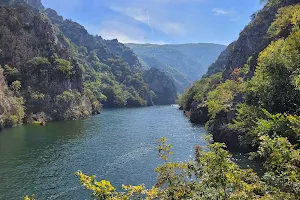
x=11, y=104
x=59, y=71
x=252, y=40
x=256, y=109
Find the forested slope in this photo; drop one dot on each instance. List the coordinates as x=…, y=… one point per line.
x=58, y=71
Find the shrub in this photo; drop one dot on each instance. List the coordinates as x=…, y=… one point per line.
x=287, y=18
x=222, y=97
x=37, y=61
x=16, y=86
x=64, y=67
x=11, y=74
x=68, y=97
x=282, y=163
x=12, y=121
x=199, y=90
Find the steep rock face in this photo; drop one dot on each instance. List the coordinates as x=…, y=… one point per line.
x=162, y=85
x=220, y=64
x=79, y=35
x=30, y=47
x=24, y=35
x=221, y=132
x=252, y=40
x=219, y=129
x=199, y=113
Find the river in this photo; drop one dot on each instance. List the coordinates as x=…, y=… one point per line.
x=118, y=145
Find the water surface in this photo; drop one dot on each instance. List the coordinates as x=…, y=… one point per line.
x=118, y=145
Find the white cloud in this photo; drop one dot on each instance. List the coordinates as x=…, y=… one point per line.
x=220, y=11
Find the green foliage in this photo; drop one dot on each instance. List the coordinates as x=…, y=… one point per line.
x=275, y=125
x=113, y=83
x=101, y=190
x=12, y=121
x=268, y=121
x=164, y=150
x=11, y=74
x=83, y=50
x=253, y=123
x=16, y=86
x=73, y=105
x=287, y=18
x=199, y=91
x=221, y=98
x=67, y=97
x=12, y=110
x=36, y=61
x=274, y=79
x=30, y=197
x=63, y=66
x=246, y=118
x=37, y=96
x=282, y=163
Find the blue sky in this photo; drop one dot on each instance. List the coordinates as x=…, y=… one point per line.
x=160, y=21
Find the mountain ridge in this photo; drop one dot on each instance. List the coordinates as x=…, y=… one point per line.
x=185, y=63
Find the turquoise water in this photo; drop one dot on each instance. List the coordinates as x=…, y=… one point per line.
x=118, y=145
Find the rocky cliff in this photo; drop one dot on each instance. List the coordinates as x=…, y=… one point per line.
x=60, y=70
x=256, y=76
x=32, y=53
x=104, y=48
x=252, y=40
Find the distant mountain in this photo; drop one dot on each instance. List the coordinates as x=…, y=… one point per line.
x=185, y=63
